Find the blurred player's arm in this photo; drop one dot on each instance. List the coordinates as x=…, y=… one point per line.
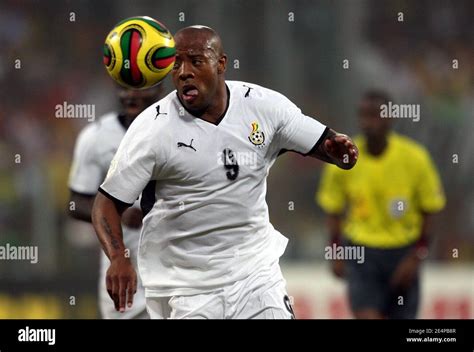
x=334, y=224
x=337, y=149
x=82, y=208
x=85, y=175
x=121, y=279
x=331, y=197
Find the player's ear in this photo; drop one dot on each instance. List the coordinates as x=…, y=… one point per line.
x=221, y=64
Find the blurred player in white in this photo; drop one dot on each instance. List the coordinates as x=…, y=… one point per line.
x=95, y=147
x=202, y=154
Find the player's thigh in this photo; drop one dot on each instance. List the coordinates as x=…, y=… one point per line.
x=201, y=306
x=158, y=308
x=274, y=304
x=264, y=297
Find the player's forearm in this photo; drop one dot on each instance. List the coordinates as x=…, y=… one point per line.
x=106, y=220
x=426, y=227
x=339, y=162
x=321, y=155
x=334, y=226
x=422, y=244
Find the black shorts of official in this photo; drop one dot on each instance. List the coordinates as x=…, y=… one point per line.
x=369, y=284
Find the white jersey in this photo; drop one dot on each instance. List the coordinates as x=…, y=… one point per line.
x=95, y=147
x=207, y=223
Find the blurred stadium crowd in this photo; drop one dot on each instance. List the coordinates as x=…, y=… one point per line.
x=52, y=54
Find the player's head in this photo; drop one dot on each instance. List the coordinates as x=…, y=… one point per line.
x=134, y=101
x=199, y=68
x=371, y=123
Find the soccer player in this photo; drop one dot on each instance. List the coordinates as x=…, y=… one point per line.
x=95, y=148
x=202, y=155
x=384, y=205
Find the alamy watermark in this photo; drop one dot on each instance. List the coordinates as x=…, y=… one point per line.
x=37, y=335
x=336, y=252
x=75, y=111
x=249, y=159
x=400, y=111
x=10, y=252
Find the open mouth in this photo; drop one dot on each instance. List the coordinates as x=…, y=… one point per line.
x=190, y=92
x=130, y=104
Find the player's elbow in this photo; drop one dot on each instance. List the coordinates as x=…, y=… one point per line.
x=99, y=207
x=80, y=206
x=104, y=207
x=73, y=212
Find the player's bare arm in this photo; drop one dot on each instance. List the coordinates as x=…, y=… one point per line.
x=82, y=206
x=121, y=279
x=334, y=223
x=338, y=149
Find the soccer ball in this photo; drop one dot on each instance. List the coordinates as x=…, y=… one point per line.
x=139, y=52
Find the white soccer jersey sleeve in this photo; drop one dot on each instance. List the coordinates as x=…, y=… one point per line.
x=297, y=132
x=133, y=165
x=86, y=172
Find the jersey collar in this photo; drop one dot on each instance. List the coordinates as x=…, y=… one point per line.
x=220, y=117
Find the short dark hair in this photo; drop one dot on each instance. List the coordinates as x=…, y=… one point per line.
x=377, y=95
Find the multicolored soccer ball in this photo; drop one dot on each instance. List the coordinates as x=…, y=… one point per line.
x=139, y=52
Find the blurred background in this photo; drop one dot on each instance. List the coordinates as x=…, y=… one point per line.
x=52, y=54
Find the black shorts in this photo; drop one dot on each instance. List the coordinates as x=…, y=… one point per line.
x=369, y=284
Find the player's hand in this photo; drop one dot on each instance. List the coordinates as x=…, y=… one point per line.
x=132, y=218
x=338, y=268
x=405, y=272
x=342, y=150
x=121, y=282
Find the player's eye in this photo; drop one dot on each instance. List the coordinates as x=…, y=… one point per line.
x=176, y=65
x=197, y=62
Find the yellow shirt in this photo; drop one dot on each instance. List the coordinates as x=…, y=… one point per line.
x=384, y=196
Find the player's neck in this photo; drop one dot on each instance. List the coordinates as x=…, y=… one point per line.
x=125, y=120
x=376, y=146
x=214, y=113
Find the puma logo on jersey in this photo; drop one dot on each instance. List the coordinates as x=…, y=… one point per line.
x=190, y=145
x=158, y=113
x=248, y=91
x=256, y=137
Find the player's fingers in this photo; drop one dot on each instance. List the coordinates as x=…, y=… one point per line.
x=354, y=152
x=108, y=285
x=115, y=289
x=341, y=138
x=123, y=283
x=328, y=144
x=132, y=288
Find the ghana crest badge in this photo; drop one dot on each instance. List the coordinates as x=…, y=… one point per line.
x=256, y=137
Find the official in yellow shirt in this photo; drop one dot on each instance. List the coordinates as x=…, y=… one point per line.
x=382, y=205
